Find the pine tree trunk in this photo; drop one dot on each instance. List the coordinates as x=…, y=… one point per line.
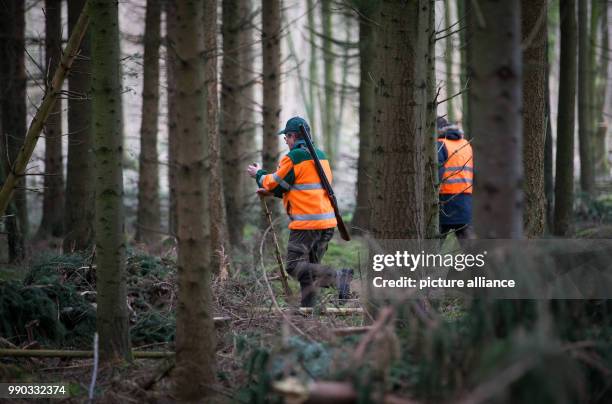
x=271, y=29
x=112, y=313
x=534, y=37
x=218, y=217
x=397, y=144
x=428, y=110
x=79, y=210
x=195, y=333
x=233, y=142
x=496, y=98
x=170, y=8
x=464, y=35
x=271, y=25
x=329, y=110
x=313, y=70
x=14, y=101
x=52, y=222
x=246, y=57
x=564, y=172
x=602, y=166
x=148, y=224
x=585, y=137
x=448, y=61
x=549, y=184
x=367, y=55
x=12, y=96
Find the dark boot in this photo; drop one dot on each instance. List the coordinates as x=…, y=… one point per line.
x=343, y=283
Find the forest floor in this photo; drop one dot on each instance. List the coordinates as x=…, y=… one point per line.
x=48, y=302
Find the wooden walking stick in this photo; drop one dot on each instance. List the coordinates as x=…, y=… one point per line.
x=279, y=259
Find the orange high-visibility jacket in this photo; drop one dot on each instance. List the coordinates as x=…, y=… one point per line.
x=458, y=169
x=297, y=181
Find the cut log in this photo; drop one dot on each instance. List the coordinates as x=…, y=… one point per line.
x=327, y=392
x=58, y=353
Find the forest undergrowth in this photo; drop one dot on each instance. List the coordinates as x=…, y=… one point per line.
x=466, y=350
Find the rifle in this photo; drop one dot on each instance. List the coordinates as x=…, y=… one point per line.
x=326, y=185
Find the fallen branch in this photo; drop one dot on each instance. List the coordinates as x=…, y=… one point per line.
x=58, y=353
x=351, y=330
x=36, y=126
x=336, y=311
x=327, y=392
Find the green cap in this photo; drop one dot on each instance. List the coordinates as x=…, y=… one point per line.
x=293, y=126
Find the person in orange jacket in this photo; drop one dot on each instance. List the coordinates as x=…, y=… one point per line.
x=312, y=219
x=456, y=174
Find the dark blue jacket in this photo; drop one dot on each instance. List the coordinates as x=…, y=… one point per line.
x=454, y=208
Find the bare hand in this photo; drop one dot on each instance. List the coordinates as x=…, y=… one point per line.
x=252, y=169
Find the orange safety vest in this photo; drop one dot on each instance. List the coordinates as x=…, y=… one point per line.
x=305, y=199
x=458, y=173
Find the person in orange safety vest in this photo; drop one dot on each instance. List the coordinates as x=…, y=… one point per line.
x=456, y=176
x=312, y=220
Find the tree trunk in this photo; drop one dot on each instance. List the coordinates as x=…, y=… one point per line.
x=79, y=210
x=12, y=22
x=271, y=29
x=585, y=137
x=602, y=166
x=464, y=36
x=112, y=313
x=426, y=85
x=313, y=70
x=329, y=110
x=218, y=217
x=195, y=333
x=52, y=222
x=549, y=184
x=448, y=61
x=564, y=173
x=534, y=39
x=12, y=97
x=247, y=43
x=271, y=25
x=148, y=224
x=496, y=97
x=367, y=55
x=170, y=8
x=397, y=144
x=233, y=142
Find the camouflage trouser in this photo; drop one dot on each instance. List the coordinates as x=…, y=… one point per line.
x=305, y=251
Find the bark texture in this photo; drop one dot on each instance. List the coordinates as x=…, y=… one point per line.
x=233, y=141
x=170, y=8
x=585, y=125
x=367, y=55
x=79, y=208
x=464, y=76
x=397, y=144
x=427, y=106
x=13, y=97
x=195, y=333
x=112, y=314
x=602, y=166
x=496, y=97
x=329, y=110
x=52, y=222
x=564, y=172
x=448, y=61
x=148, y=223
x=218, y=217
x=534, y=38
x=271, y=26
